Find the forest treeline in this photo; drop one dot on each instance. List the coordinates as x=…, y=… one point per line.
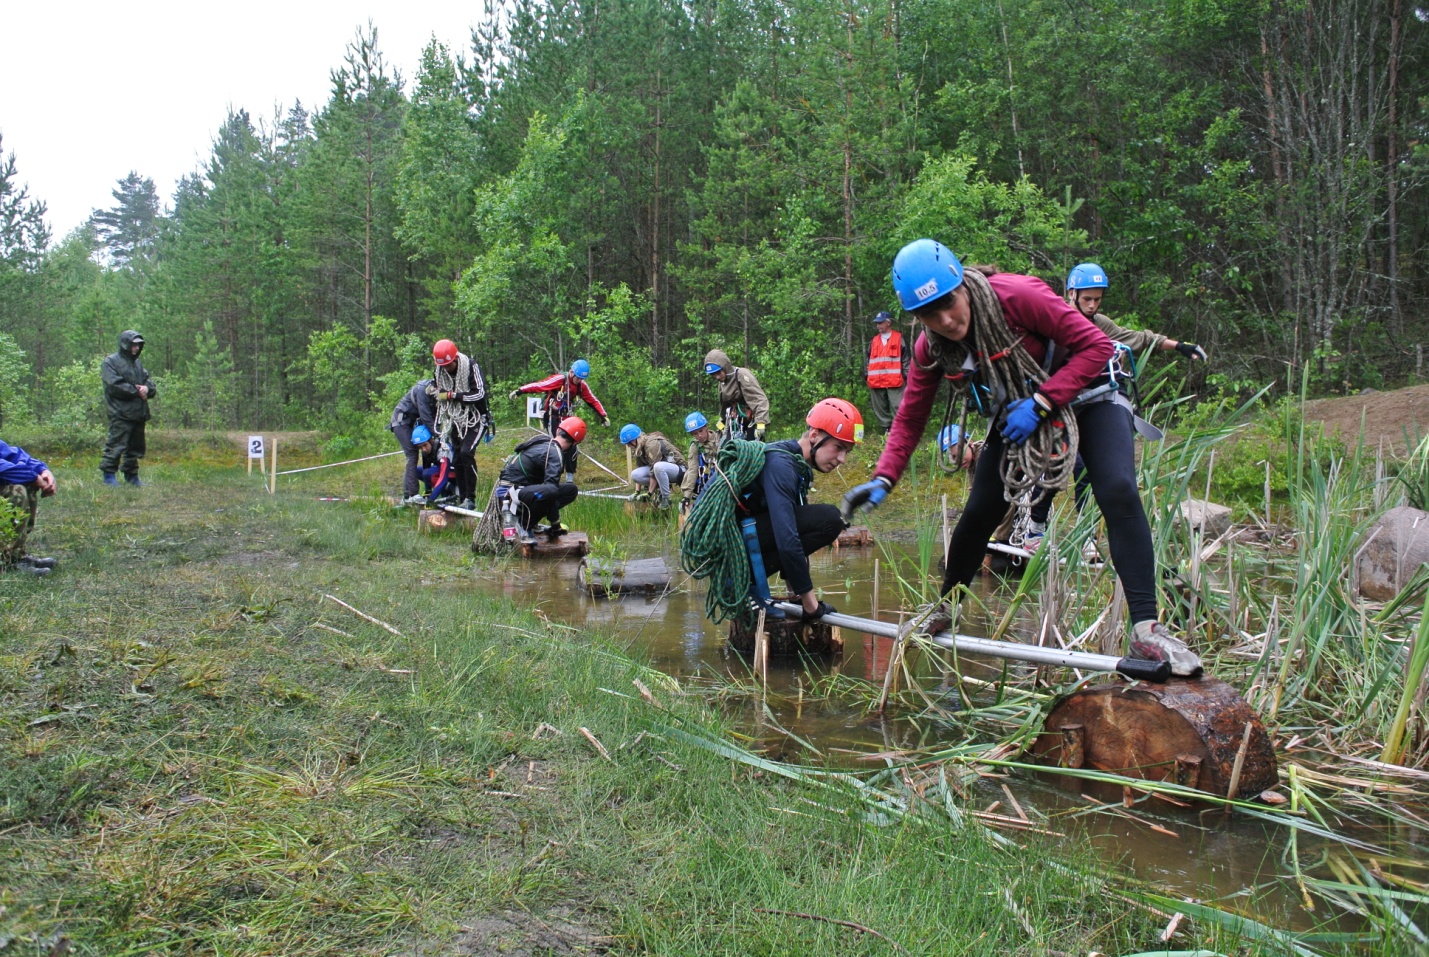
x=637, y=181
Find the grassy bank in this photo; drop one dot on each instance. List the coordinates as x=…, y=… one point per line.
x=201, y=753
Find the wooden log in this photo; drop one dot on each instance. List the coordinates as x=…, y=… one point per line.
x=853, y=537
x=569, y=545
x=1189, y=731
x=603, y=577
x=439, y=520
x=788, y=638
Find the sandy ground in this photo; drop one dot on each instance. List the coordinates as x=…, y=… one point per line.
x=1395, y=418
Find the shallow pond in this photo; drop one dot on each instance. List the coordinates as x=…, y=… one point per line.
x=1206, y=855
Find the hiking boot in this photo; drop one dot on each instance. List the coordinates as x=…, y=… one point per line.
x=1153, y=641
x=109, y=479
x=664, y=502
x=555, y=531
x=928, y=620
x=133, y=480
x=38, y=562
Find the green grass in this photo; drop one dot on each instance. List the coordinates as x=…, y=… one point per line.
x=200, y=753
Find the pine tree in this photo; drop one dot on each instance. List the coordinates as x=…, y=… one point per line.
x=128, y=228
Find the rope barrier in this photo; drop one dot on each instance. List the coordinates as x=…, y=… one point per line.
x=333, y=465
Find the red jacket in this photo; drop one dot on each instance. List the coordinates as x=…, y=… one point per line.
x=1030, y=307
x=885, y=361
x=565, y=392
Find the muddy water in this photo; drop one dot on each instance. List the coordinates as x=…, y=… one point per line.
x=1209, y=856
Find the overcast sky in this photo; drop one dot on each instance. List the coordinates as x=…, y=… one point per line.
x=90, y=91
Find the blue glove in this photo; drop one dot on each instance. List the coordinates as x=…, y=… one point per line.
x=865, y=496
x=1023, y=417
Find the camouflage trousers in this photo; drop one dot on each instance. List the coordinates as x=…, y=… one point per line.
x=18, y=521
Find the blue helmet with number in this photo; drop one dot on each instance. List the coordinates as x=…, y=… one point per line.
x=949, y=437
x=1086, y=276
x=925, y=270
x=629, y=433
x=695, y=421
x=421, y=434
x=580, y=369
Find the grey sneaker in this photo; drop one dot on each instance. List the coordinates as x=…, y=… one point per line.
x=524, y=536
x=928, y=621
x=1153, y=641
x=415, y=500
x=467, y=504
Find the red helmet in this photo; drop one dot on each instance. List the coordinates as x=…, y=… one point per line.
x=573, y=426
x=838, y=418
x=444, y=351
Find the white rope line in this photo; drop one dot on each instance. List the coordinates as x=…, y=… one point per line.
x=333, y=465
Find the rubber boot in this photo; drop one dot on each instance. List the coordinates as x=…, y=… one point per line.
x=109, y=479
x=133, y=480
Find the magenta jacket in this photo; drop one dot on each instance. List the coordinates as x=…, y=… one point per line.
x=1030, y=307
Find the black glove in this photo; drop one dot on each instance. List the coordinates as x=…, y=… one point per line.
x=824, y=609
x=605, y=421
x=1191, y=351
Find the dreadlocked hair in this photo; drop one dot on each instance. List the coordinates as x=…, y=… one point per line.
x=1004, y=366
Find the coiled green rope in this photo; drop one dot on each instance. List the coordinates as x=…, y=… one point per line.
x=712, y=544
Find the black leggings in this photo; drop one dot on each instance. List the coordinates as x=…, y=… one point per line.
x=464, y=462
x=1109, y=457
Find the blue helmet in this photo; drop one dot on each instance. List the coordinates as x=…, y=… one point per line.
x=629, y=433
x=949, y=437
x=421, y=434
x=925, y=270
x=712, y=367
x=884, y=316
x=1086, y=276
x=695, y=421
x=581, y=369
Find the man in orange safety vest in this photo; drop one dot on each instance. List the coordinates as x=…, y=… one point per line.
x=887, y=365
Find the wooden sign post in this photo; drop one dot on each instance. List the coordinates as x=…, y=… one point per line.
x=273, y=472
x=255, y=451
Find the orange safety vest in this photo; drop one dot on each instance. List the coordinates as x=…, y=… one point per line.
x=885, y=362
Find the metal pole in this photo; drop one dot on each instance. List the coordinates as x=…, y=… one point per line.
x=967, y=644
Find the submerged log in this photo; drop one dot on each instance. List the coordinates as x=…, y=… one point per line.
x=853, y=537
x=788, y=638
x=601, y=576
x=1187, y=731
x=569, y=545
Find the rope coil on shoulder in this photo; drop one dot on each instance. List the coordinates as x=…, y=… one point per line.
x=712, y=544
x=1008, y=372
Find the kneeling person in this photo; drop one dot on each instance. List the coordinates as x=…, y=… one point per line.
x=790, y=529
x=533, y=475
x=658, y=464
x=23, y=482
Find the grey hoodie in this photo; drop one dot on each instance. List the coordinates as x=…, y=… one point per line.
x=123, y=374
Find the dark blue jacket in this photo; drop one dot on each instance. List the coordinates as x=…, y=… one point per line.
x=17, y=467
x=783, y=486
x=416, y=406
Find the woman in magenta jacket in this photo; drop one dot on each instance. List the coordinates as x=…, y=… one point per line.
x=991, y=332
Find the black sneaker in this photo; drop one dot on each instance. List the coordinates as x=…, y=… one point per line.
x=38, y=562
x=27, y=569
x=555, y=531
